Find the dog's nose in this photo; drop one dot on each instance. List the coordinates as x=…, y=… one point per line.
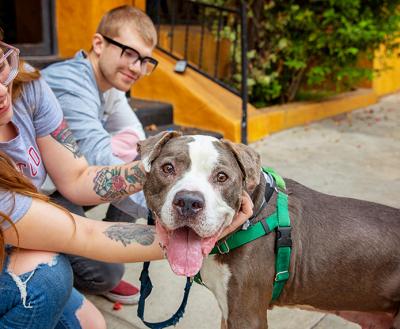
x=188, y=203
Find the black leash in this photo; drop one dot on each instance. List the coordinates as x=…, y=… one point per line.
x=145, y=290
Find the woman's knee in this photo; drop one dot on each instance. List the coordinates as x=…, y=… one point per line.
x=42, y=272
x=44, y=282
x=22, y=261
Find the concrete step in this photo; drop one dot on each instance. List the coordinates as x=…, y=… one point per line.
x=158, y=116
x=151, y=112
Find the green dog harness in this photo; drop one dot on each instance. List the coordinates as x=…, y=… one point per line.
x=278, y=221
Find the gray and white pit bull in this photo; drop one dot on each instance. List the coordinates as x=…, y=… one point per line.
x=345, y=255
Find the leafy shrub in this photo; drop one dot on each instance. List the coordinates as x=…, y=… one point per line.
x=300, y=44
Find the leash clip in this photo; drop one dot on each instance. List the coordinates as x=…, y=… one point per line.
x=219, y=247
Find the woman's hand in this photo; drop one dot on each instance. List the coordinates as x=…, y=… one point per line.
x=245, y=212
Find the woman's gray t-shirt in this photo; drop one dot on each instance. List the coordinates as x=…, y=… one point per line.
x=36, y=114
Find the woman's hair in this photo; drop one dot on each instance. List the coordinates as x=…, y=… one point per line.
x=24, y=75
x=13, y=181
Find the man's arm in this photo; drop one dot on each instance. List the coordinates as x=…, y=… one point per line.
x=82, y=113
x=120, y=115
x=122, y=124
x=77, y=93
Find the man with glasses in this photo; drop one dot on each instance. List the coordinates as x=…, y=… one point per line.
x=91, y=90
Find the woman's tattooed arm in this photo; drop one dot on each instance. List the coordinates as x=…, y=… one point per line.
x=64, y=136
x=114, y=183
x=127, y=233
x=84, y=183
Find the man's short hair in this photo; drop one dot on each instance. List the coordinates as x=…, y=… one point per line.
x=128, y=15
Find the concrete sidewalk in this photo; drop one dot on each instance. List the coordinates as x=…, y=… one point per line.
x=355, y=155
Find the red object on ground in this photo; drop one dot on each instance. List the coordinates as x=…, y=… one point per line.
x=117, y=306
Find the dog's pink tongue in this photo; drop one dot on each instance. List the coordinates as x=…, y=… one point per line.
x=185, y=252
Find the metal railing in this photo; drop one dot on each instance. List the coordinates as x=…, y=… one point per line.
x=207, y=37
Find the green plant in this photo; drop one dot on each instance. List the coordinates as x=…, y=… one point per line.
x=297, y=44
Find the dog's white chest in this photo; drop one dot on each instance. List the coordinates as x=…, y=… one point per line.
x=216, y=277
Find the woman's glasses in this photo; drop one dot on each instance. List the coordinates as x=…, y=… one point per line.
x=132, y=56
x=9, y=57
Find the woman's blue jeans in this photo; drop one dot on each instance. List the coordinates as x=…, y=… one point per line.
x=41, y=299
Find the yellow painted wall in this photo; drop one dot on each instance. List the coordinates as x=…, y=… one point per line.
x=387, y=81
x=77, y=21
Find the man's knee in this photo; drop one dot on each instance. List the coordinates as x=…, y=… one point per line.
x=95, y=277
x=109, y=276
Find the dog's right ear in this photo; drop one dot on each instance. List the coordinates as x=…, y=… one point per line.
x=249, y=163
x=150, y=148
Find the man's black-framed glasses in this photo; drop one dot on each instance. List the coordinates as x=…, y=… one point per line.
x=147, y=64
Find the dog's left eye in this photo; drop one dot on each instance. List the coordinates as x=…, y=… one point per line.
x=168, y=168
x=221, y=177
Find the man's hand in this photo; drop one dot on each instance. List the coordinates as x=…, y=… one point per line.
x=245, y=212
